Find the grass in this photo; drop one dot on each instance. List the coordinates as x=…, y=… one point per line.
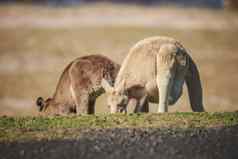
x=29, y=46
x=32, y=58
x=37, y=128
x=37, y=56
x=107, y=40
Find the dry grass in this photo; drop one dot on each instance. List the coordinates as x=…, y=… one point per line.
x=32, y=58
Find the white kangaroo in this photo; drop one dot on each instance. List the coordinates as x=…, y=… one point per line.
x=154, y=71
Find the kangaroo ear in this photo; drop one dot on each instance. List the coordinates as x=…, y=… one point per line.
x=121, y=86
x=106, y=85
x=40, y=103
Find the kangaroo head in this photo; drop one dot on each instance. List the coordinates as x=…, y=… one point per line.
x=117, y=98
x=181, y=70
x=47, y=106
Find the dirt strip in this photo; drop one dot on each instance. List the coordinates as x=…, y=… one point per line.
x=130, y=143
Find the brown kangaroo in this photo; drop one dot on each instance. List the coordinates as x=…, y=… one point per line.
x=79, y=86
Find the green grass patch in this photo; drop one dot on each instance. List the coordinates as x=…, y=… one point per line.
x=24, y=128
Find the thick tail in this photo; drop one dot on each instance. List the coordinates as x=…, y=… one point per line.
x=194, y=86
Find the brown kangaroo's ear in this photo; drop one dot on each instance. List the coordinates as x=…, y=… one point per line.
x=40, y=103
x=194, y=86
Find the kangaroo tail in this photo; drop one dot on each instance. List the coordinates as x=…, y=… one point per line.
x=194, y=86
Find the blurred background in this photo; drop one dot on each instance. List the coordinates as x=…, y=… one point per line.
x=38, y=38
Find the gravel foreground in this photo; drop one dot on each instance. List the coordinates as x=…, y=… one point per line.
x=128, y=143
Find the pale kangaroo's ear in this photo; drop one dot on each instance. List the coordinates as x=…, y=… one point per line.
x=194, y=86
x=106, y=85
x=121, y=86
x=40, y=103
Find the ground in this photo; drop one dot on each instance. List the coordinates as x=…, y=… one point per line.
x=184, y=135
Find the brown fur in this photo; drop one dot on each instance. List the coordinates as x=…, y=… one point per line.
x=80, y=85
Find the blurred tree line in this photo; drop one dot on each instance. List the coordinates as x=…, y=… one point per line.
x=231, y=4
